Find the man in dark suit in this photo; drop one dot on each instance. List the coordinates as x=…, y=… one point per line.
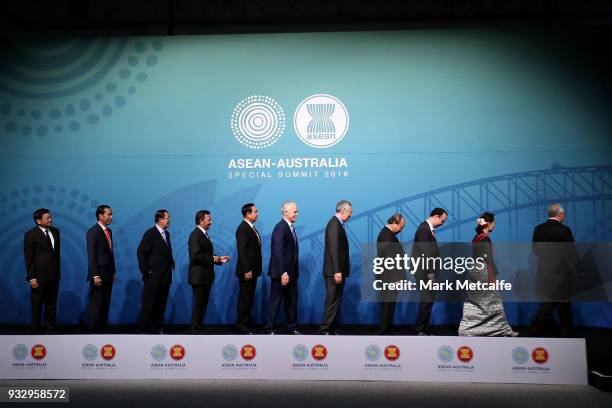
x=201, y=267
x=41, y=252
x=248, y=266
x=556, y=272
x=284, y=269
x=156, y=264
x=388, y=246
x=425, y=244
x=336, y=265
x=101, y=269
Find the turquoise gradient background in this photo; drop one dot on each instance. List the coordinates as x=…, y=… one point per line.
x=144, y=123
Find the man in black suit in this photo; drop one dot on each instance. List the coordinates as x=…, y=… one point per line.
x=284, y=269
x=388, y=246
x=201, y=267
x=336, y=265
x=41, y=252
x=556, y=272
x=101, y=269
x=248, y=266
x=425, y=244
x=156, y=264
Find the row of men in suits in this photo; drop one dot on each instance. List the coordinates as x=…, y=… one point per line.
x=156, y=264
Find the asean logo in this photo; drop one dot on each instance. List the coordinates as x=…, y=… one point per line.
x=258, y=121
x=108, y=352
x=520, y=355
x=177, y=352
x=229, y=352
x=372, y=352
x=321, y=121
x=300, y=352
x=392, y=352
x=445, y=354
x=89, y=352
x=319, y=352
x=158, y=352
x=465, y=354
x=38, y=352
x=539, y=355
x=20, y=352
x=248, y=352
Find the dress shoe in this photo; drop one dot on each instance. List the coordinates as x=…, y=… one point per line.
x=271, y=332
x=294, y=332
x=324, y=333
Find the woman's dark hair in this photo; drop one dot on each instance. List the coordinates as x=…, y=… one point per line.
x=489, y=217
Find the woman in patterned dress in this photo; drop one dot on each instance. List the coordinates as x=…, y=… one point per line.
x=483, y=311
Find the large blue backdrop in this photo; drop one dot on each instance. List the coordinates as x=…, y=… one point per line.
x=397, y=121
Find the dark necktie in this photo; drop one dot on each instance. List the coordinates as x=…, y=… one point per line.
x=257, y=234
x=49, y=239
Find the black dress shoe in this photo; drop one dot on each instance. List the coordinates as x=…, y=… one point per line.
x=270, y=331
x=324, y=333
x=294, y=332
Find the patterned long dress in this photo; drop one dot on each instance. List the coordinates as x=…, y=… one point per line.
x=483, y=311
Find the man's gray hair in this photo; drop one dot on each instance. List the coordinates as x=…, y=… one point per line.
x=285, y=205
x=343, y=205
x=554, y=210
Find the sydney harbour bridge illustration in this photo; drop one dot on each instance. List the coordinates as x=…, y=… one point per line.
x=518, y=199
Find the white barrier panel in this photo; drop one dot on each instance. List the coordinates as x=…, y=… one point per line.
x=378, y=358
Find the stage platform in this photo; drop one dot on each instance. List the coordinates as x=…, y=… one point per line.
x=303, y=357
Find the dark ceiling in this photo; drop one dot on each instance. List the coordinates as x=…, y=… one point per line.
x=158, y=17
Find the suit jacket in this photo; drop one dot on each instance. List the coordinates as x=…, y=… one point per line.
x=155, y=258
x=425, y=243
x=201, y=264
x=556, y=263
x=42, y=261
x=336, y=253
x=388, y=246
x=249, y=251
x=284, y=252
x=101, y=257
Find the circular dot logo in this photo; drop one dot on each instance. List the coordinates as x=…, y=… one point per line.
x=20, y=352
x=372, y=352
x=445, y=354
x=158, y=352
x=300, y=352
x=89, y=352
x=229, y=352
x=520, y=355
x=258, y=122
x=321, y=121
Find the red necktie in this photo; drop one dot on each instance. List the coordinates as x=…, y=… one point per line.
x=108, y=238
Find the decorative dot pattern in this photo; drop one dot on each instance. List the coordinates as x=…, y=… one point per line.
x=130, y=70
